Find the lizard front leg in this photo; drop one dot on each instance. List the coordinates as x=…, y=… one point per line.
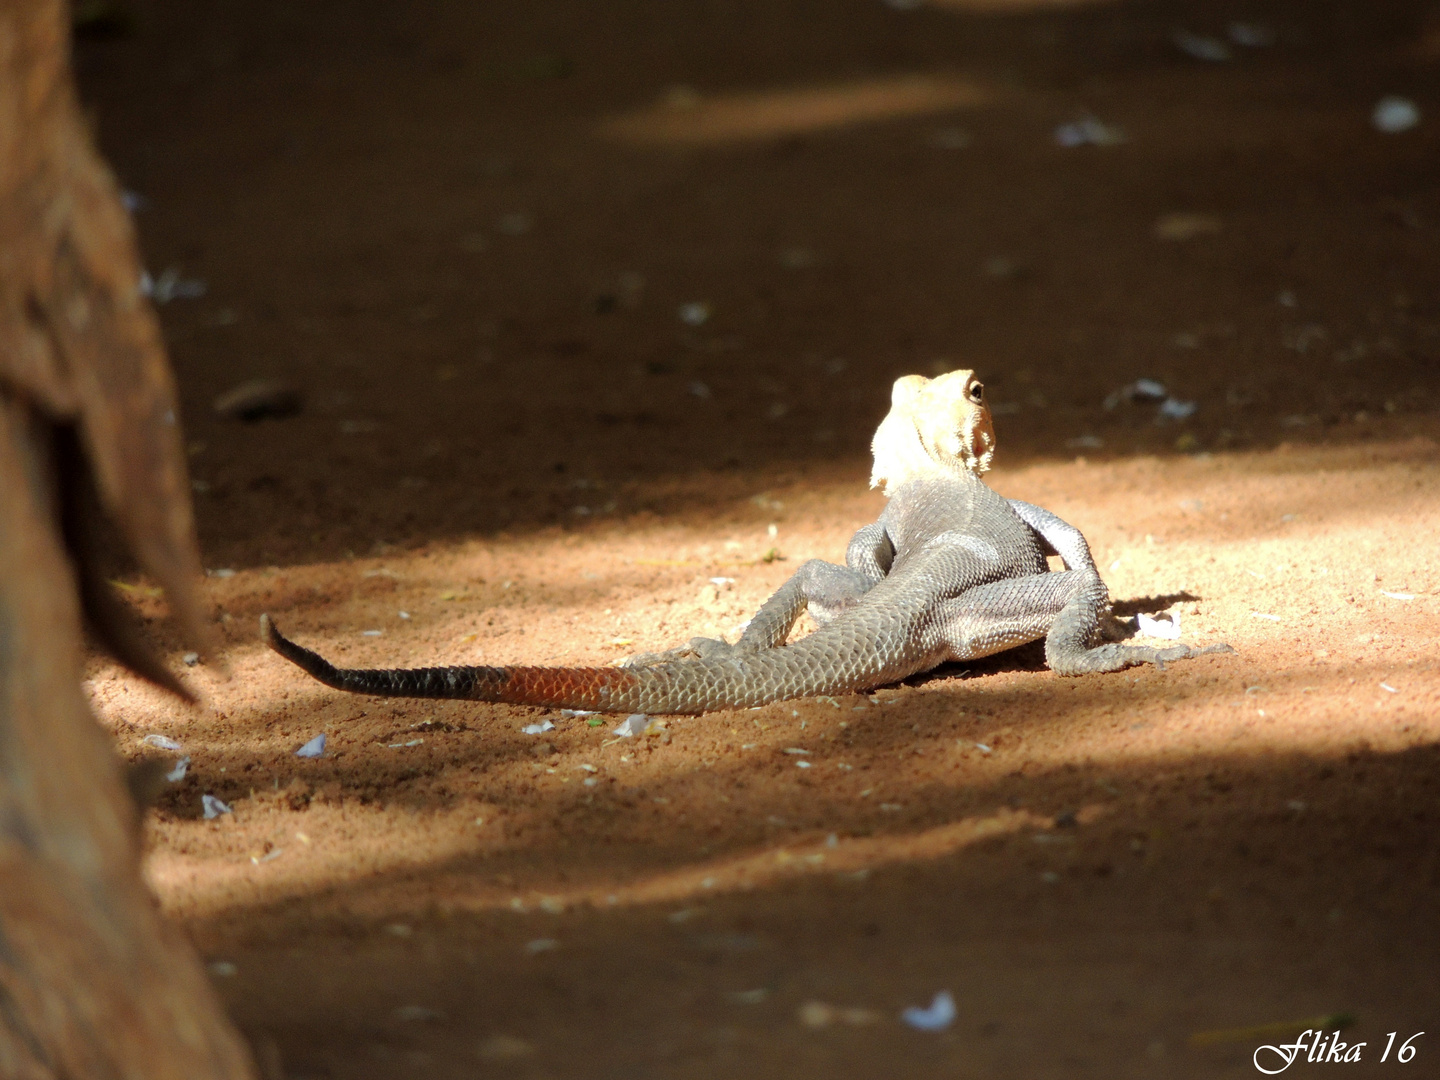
x=1057, y=536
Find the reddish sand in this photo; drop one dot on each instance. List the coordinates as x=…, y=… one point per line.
x=466, y=233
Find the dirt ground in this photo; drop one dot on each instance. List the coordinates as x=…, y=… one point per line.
x=594, y=308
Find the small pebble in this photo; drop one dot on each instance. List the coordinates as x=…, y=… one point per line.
x=259, y=399
x=1393, y=115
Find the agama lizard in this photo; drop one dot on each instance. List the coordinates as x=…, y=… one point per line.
x=950, y=571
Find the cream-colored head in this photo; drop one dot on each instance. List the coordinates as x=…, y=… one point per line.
x=936, y=427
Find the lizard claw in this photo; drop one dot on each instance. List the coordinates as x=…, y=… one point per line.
x=1184, y=652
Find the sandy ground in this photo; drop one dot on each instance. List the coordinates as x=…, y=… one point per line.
x=467, y=233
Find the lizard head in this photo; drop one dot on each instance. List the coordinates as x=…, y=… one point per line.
x=935, y=427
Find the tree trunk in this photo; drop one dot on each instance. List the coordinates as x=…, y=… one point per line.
x=92, y=983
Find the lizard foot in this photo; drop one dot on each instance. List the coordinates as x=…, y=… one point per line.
x=1115, y=657
x=699, y=648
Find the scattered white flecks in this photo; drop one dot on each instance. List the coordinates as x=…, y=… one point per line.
x=403, y=745
x=1139, y=390
x=1174, y=409
x=222, y=969
x=1250, y=35
x=939, y=1016
x=417, y=1013
x=1387, y=686
x=695, y=313
x=177, y=774
x=772, y=530
x=983, y=748
x=161, y=742
x=802, y=764
x=1211, y=50
x=404, y=614
x=634, y=724
x=1254, y=690
x=552, y=905
x=1397, y=595
x=1262, y=615
x=213, y=807
x=795, y=750
x=314, y=748
x=1088, y=131
x=748, y=746
x=575, y=714
x=171, y=286
x=719, y=581
x=223, y=572
x=273, y=853
x=190, y=659
x=1393, y=115
x=588, y=768
x=538, y=729
x=844, y=766
x=701, y=390
x=1156, y=628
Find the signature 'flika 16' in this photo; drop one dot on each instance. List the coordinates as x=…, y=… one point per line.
x=950, y=571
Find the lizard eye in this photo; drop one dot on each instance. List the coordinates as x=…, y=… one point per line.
x=977, y=392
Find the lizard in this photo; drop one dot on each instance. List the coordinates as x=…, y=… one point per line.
x=950, y=571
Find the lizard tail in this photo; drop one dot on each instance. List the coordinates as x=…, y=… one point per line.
x=607, y=689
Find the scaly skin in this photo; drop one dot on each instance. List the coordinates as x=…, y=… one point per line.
x=950, y=571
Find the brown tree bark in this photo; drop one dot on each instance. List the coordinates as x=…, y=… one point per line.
x=92, y=982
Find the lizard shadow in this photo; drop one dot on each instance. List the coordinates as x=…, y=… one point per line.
x=1150, y=605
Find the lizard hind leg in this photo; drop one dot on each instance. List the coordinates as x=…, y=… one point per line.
x=1071, y=645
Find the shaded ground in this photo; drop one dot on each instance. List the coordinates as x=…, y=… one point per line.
x=467, y=234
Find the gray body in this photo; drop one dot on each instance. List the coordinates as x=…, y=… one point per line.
x=950, y=571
